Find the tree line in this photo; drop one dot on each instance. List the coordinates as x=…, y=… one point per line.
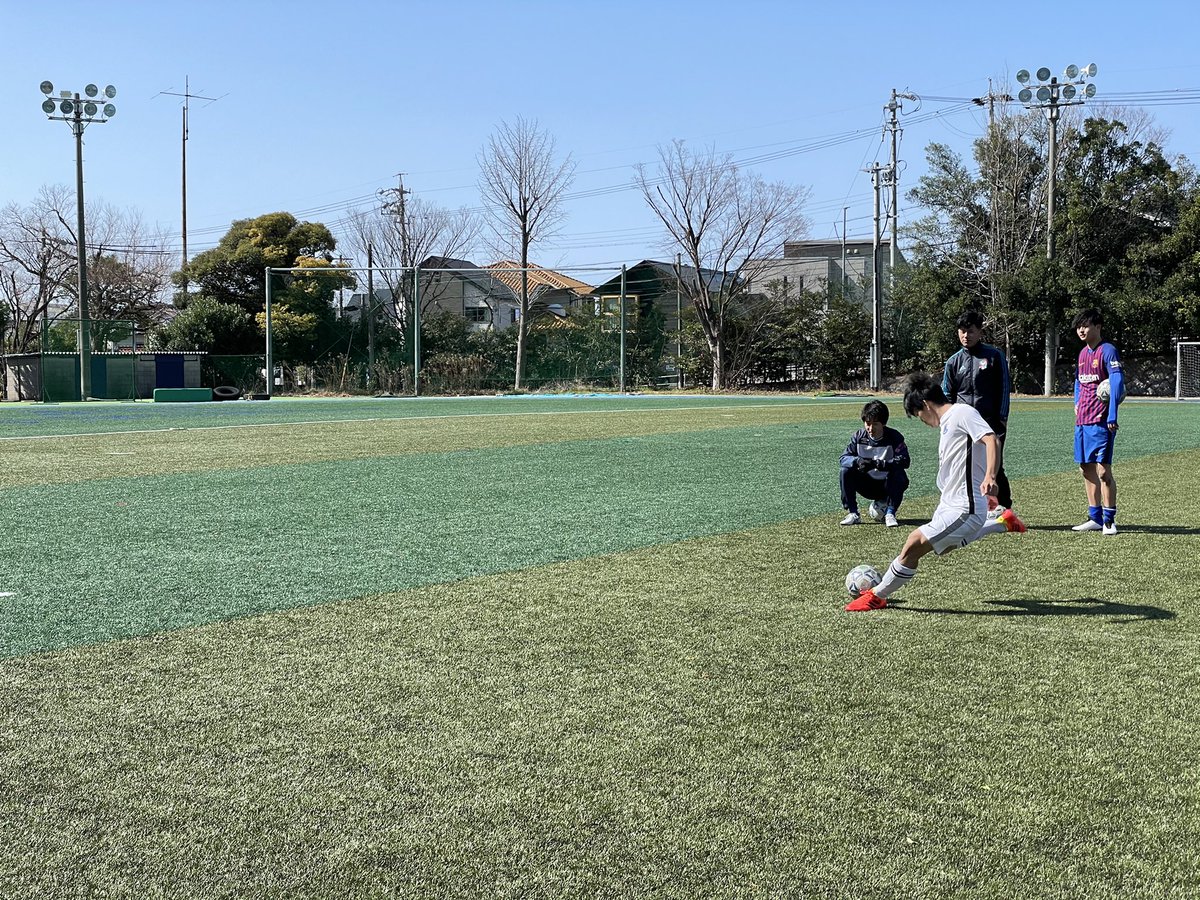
x=1128, y=238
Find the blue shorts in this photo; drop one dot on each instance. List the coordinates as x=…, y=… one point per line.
x=1094, y=444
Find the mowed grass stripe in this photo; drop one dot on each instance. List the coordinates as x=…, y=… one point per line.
x=1039, y=430
x=130, y=556
x=47, y=460
x=696, y=719
x=34, y=420
x=120, y=557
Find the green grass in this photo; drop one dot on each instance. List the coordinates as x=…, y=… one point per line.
x=607, y=662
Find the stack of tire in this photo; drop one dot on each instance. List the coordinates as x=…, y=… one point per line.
x=226, y=392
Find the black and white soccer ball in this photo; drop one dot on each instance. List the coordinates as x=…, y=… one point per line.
x=877, y=510
x=862, y=578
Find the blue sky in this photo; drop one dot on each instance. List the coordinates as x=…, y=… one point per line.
x=321, y=104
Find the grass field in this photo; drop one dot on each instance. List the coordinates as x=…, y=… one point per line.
x=581, y=647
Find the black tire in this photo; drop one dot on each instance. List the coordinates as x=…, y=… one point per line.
x=226, y=392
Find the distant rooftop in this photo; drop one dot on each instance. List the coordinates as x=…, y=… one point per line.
x=509, y=272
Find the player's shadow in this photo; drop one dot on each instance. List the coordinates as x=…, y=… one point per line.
x=1128, y=529
x=1122, y=613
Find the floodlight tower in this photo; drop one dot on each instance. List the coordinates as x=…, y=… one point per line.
x=1050, y=95
x=79, y=113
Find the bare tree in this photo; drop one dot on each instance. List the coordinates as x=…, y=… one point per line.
x=402, y=239
x=728, y=225
x=129, y=267
x=522, y=184
x=37, y=267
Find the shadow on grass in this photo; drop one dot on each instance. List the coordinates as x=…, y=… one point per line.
x=1127, y=529
x=1083, y=606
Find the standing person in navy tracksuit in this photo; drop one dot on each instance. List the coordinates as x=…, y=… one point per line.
x=873, y=465
x=978, y=376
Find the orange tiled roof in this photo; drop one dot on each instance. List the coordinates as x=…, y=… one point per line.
x=509, y=273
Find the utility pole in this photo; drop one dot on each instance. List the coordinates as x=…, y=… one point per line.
x=893, y=176
x=877, y=174
x=393, y=205
x=989, y=100
x=186, y=95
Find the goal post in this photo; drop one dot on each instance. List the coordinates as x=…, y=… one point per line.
x=1187, y=370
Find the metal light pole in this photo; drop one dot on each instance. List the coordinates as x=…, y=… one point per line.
x=78, y=113
x=1050, y=95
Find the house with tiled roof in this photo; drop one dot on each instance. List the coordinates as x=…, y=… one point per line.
x=550, y=292
x=464, y=288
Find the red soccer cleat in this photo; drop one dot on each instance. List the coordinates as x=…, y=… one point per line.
x=865, y=602
x=1012, y=522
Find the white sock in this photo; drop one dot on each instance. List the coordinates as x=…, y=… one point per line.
x=991, y=526
x=897, y=577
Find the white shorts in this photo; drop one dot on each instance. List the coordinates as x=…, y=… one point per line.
x=952, y=528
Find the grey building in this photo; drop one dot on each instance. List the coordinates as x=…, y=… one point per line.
x=818, y=265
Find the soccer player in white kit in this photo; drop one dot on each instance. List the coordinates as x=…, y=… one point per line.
x=967, y=461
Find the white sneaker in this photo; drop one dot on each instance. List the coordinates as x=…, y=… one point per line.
x=994, y=512
x=890, y=520
x=1110, y=529
x=1090, y=525
x=852, y=519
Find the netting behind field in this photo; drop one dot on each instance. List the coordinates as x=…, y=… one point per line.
x=246, y=373
x=1187, y=379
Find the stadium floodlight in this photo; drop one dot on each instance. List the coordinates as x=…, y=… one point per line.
x=78, y=114
x=1049, y=95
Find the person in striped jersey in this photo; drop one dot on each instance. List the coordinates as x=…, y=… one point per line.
x=968, y=457
x=1096, y=421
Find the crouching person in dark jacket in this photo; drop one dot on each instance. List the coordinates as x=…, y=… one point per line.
x=873, y=467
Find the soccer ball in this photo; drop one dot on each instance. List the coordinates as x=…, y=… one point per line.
x=877, y=510
x=1104, y=391
x=862, y=578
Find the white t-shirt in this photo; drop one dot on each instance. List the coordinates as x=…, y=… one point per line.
x=962, y=458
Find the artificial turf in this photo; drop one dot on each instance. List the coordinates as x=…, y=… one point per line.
x=611, y=665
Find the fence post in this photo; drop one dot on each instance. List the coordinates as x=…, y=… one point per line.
x=416, y=331
x=622, y=329
x=267, y=328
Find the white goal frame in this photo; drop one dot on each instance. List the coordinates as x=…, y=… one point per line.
x=1187, y=388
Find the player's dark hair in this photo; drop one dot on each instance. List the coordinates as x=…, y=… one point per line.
x=971, y=318
x=875, y=411
x=920, y=389
x=1087, y=317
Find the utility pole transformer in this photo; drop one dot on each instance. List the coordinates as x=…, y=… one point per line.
x=393, y=205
